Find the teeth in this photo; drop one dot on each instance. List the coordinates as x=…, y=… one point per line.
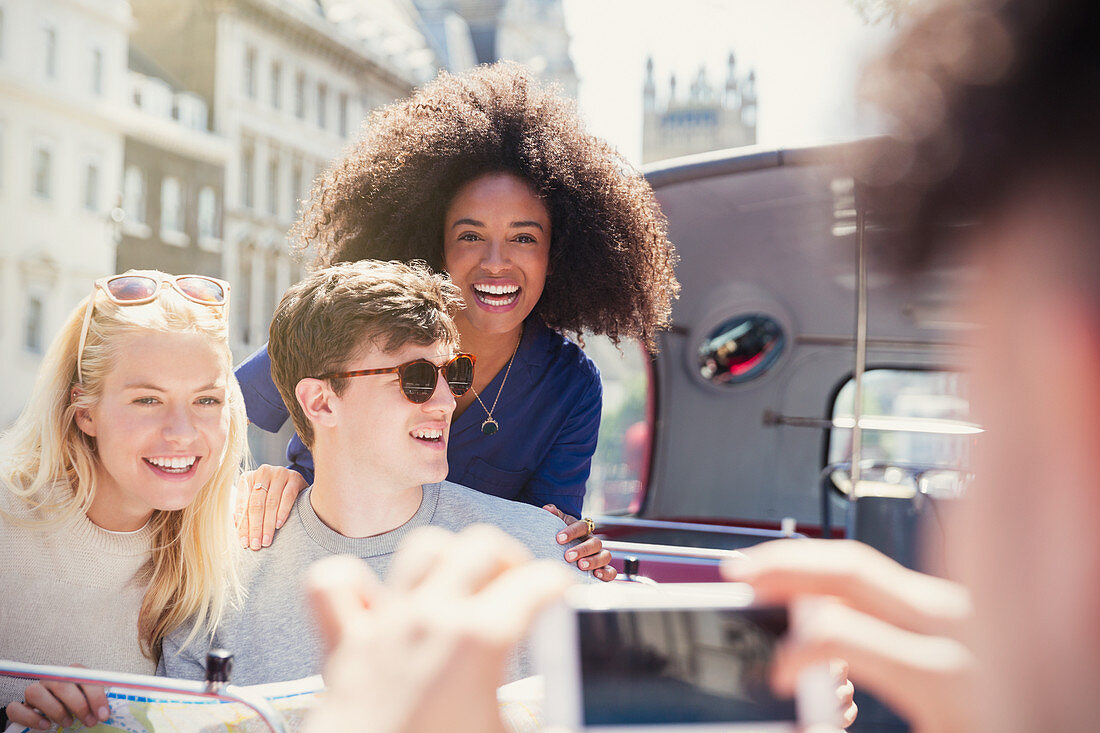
x=178, y=463
x=428, y=433
x=497, y=289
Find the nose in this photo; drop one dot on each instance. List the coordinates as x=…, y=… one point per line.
x=179, y=425
x=496, y=256
x=441, y=401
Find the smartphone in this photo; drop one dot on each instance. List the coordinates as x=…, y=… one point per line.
x=624, y=658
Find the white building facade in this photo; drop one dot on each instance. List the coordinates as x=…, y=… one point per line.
x=63, y=83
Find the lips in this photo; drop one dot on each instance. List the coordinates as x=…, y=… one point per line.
x=496, y=295
x=432, y=436
x=173, y=465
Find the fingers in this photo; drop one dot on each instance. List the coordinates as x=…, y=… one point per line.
x=257, y=505
x=845, y=691
x=294, y=485
x=588, y=555
x=417, y=556
x=606, y=574
x=522, y=592
x=64, y=702
x=265, y=498
x=576, y=529
x=338, y=589
x=553, y=509
x=474, y=557
x=913, y=673
x=23, y=714
x=864, y=578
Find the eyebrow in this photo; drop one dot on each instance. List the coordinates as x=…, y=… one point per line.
x=513, y=225
x=155, y=388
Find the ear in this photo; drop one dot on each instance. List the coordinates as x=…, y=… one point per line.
x=317, y=400
x=83, y=415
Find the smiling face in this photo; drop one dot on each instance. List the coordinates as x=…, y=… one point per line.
x=497, y=250
x=393, y=444
x=160, y=426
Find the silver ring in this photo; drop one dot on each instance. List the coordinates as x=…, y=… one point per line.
x=257, y=487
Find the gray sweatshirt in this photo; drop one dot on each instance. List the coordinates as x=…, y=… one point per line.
x=271, y=634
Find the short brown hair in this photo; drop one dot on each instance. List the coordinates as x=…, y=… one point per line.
x=323, y=321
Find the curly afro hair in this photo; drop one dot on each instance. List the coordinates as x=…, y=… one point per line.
x=611, y=264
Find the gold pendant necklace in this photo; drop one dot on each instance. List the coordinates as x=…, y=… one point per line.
x=489, y=425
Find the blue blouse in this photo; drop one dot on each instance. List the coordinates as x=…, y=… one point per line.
x=549, y=416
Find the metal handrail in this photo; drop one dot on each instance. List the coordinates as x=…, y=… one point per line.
x=639, y=523
x=696, y=553
x=214, y=690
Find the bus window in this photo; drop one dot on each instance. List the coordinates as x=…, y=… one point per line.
x=620, y=466
x=917, y=433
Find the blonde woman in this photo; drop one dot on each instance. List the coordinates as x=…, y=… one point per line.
x=115, y=503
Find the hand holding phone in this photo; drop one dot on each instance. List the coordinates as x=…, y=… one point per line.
x=654, y=660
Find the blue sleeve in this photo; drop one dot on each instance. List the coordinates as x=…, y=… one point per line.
x=560, y=480
x=262, y=400
x=266, y=409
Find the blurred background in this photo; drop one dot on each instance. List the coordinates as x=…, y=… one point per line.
x=183, y=135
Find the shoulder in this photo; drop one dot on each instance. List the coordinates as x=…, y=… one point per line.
x=474, y=507
x=545, y=347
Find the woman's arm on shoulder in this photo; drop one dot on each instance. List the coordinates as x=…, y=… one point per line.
x=559, y=484
x=262, y=400
x=560, y=478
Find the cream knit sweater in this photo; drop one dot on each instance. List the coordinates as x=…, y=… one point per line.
x=69, y=595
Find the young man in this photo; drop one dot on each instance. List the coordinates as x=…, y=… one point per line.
x=365, y=356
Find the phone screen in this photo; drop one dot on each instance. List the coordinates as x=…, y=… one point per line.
x=661, y=666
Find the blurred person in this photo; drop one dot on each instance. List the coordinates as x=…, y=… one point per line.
x=115, y=505
x=365, y=355
x=997, y=107
x=491, y=177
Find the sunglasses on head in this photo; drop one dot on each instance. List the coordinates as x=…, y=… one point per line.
x=420, y=376
x=138, y=289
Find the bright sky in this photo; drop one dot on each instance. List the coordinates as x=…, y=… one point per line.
x=806, y=54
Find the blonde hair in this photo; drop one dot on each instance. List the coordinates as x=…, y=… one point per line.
x=50, y=464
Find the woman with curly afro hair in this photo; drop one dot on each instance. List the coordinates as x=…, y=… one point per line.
x=547, y=230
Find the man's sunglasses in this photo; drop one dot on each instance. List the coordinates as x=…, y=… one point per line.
x=138, y=289
x=419, y=377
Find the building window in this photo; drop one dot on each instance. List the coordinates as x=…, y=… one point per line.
x=250, y=72
x=32, y=326
x=133, y=195
x=342, y=112
x=43, y=173
x=208, y=213
x=300, y=95
x=49, y=51
x=276, y=85
x=97, y=72
x=171, y=205
x=322, y=105
x=273, y=185
x=91, y=187
x=247, y=161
